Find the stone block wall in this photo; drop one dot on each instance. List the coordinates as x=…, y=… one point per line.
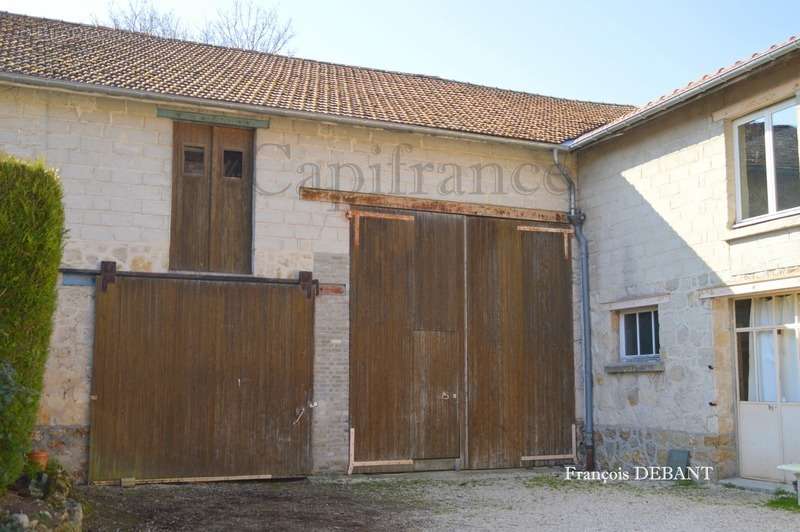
x=660, y=220
x=114, y=157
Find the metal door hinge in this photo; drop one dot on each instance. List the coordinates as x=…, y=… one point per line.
x=308, y=284
x=108, y=274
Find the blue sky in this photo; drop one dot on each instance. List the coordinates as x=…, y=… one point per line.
x=615, y=51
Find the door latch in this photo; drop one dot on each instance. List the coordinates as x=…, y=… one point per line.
x=299, y=412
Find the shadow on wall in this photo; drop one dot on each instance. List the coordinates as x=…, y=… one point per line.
x=659, y=202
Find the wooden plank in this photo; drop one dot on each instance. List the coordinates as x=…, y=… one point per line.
x=381, y=347
x=204, y=118
x=519, y=336
x=182, y=480
x=431, y=205
x=191, y=192
x=231, y=226
x=439, y=334
x=201, y=379
x=546, y=312
x=439, y=273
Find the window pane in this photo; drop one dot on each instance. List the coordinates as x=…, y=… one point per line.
x=753, y=168
x=658, y=340
x=787, y=173
x=630, y=335
x=743, y=312
x=745, y=373
x=232, y=163
x=762, y=312
x=646, y=333
x=790, y=366
x=767, y=367
x=193, y=160
x=784, y=310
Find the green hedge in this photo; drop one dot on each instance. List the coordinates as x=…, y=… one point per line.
x=31, y=236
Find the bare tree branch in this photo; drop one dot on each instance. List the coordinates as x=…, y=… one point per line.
x=245, y=24
x=248, y=25
x=142, y=16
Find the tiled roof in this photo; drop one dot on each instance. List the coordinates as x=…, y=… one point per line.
x=698, y=86
x=106, y=57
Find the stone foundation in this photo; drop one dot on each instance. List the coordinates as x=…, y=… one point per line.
x=626, y=447
x=69, y=445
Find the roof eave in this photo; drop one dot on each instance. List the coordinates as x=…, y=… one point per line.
x=73, y=86
x=597, y=135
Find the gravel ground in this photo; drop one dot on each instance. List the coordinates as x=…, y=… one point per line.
x=509, y=500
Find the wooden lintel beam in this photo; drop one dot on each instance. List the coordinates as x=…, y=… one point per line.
x=431, y=205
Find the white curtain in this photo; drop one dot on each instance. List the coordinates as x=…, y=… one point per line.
x=763, y=376
x=763, y=371
x=790, y=365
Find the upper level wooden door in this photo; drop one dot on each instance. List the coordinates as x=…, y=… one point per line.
x=212, y=198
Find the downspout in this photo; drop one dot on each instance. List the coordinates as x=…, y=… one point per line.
x=577, y=218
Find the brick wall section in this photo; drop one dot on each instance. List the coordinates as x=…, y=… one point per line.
x=660, y=204
x=330, y=427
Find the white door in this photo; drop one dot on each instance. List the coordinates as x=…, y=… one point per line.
x=759, y=450
x=768, y=371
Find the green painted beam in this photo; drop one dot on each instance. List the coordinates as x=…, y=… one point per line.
x=188, y=116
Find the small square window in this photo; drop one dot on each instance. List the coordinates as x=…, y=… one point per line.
x=639, y=334
x=232, y=163
x=194, y=160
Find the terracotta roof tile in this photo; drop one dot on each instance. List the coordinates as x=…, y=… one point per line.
x=114, y=58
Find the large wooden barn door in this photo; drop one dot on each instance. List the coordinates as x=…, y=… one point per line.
x=420, y=309
x=519, y=330
x=196, y=379
x=406, y=365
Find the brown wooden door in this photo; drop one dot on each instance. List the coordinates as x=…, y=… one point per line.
x=411, y=396
x=230, y=233
x=438, y=310
x=212, y=198
x=201, y=379
x=519, y=349
x=407, y=346
x=191, y=197
x=381, y=336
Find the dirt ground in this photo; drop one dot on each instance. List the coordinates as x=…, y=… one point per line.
x=511, y=500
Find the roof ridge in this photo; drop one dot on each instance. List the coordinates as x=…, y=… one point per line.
x=707, y=81
x=317, y=61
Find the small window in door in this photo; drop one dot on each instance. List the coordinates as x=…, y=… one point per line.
x=194, y=160
x=232, y=163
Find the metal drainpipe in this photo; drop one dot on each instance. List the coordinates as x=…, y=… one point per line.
x=577, y=218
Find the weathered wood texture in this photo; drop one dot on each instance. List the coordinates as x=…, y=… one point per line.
x=191, y=198
x=409, y=299
x=519, y=344
x=211, y=200
x=432, y=205
x=201, y=379
x=381, y=338
x=406, y=335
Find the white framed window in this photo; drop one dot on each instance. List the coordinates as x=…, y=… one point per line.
x=767, y=164
x=639, y=334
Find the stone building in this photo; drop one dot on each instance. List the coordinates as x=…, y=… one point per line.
x=691, y=215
